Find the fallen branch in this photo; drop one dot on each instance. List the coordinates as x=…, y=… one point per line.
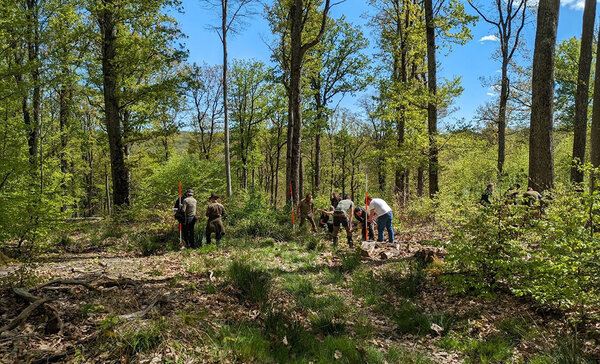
x=55, y=323
x=107, y=283
x=142, y=313
x=24, y=315
x=73, y=282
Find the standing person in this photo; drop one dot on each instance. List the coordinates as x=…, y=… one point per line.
x=215, y=212
x=306, y=211
x=380, y=209
x=361, y=216
x=485, y=198
x=342, y=215
x=179, y=215
x=189, y=212
x=335, y=199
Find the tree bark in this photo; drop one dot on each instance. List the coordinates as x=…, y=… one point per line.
x=504, y=93
x=432, y=103
x=225, y=5
x=111, y=106
x=595, y=139
x=541, y=153
x=582, y=94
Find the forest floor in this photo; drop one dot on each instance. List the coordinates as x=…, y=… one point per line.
x=283, y=302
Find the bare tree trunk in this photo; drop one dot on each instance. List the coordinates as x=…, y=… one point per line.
x=504, y=93
x=420, y=182
x=582, y=95
x=432, y=103
x=224, y=28
x=595, y=139
x=318, y=163
x=541, y=153
x=111, y=106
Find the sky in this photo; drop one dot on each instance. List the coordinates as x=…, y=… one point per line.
x=472, y=61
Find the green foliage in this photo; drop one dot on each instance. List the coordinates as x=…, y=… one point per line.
x=493, y=349
x=253, y=283
x=350, y=260
x=145, y=338
x=487, y=250
x=410, y=319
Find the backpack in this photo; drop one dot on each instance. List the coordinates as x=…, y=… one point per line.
x=179, y=215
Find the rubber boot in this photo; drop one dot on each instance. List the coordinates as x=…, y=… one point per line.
x=219, y=237
x=335, y=241
x=350, y=242
x=207, y=239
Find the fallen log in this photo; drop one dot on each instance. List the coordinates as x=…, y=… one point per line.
x=388, y=254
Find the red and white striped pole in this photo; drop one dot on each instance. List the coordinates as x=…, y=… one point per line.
x=366, y=210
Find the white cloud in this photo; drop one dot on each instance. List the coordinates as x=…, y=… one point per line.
x=491, y=37
x=573, y=4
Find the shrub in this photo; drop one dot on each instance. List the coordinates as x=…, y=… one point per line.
x=488, y=248
x=253, y=283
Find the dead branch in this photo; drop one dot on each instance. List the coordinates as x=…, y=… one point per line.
x=24, y=315
x=107, y=283
x=73, y=282
x=54, y=323
x=142, y=313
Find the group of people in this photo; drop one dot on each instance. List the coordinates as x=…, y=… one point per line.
x=530, y=197
x=185, y=212
x=341, y=213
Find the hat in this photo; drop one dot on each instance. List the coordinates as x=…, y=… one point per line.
x=213, y=196
x=189, y=192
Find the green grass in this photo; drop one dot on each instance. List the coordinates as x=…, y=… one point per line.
x=493, y=349
x=366, y=286
x=144, y=339
x=253, y=283
x=409, y=319
x=298, y=287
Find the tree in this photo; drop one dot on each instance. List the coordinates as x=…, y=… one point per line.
x=595, y=132
x=582, y=96
x=298, y=18
x=248, y=110
x=205, y=87
x=232, y=11
x=138, y=56
x=342, y=70
x=431, y=105
x=509, y=14
x=541, y=153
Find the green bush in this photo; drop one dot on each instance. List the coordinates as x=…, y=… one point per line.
x=488, y=248
x=253, y=283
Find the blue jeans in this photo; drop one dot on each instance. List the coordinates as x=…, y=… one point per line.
x=385, y=222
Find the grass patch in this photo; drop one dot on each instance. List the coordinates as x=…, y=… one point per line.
x=350, y=261
x=409, y=319
x=514, y=328
x=366, y=286
x=494, y=349
x=298, y=287
x=253, y=283
x=144, y=339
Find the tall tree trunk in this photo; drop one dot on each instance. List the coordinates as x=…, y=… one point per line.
x=582, y=95
x=318, y=162
x=296, y=110
x=432, y=103
x=541, y=153
x=504, y=93
x=595, y=139
x=111, y=106
x=420, y=182
x=225, y=6
x=33, y=48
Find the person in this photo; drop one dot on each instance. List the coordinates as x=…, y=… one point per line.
x=379, y=209
x=189, y=211
x=335, y=199
x=485, y=198
x=306, y=211
x=342, y=216
x=531, y=197
x=215, y=212
x=512, y=193
x=361, y=216
x=325, y=220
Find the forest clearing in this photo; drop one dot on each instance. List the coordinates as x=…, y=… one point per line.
x=299, y=181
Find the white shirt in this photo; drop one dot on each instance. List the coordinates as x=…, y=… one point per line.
x=380, y=206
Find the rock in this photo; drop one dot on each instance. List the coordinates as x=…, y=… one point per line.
x=437, y=330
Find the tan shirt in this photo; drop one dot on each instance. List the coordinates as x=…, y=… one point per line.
x=189, y=206
x=305, y=208
x=214, y=210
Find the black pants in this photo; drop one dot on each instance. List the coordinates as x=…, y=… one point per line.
x=371, y=231
x=188, y=232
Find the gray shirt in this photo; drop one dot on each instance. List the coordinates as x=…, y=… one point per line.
x=189, y=206
x=344, y=206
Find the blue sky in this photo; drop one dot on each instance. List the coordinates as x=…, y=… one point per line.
x=471, y=61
